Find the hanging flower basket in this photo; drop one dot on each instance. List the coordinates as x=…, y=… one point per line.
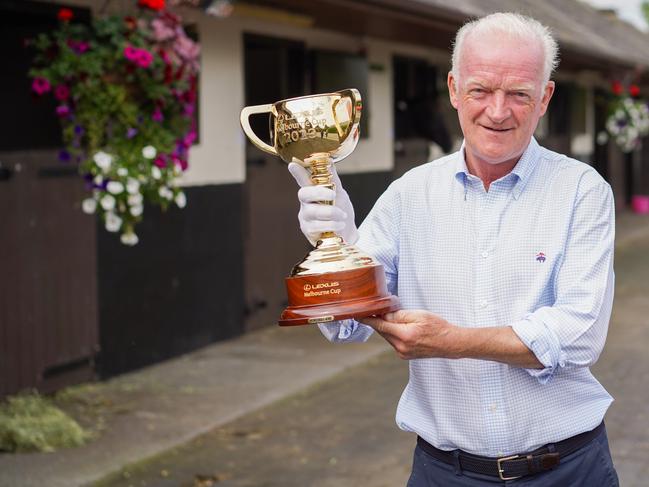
x=126, y=93
x=628, y=119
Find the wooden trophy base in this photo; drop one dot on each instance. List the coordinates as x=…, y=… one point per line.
x=338, y=295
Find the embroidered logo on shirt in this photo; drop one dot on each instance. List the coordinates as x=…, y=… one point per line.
x=540, y=257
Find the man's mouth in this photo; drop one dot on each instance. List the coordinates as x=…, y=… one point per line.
x=496, y=129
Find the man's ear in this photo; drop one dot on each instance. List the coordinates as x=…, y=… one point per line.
x=452, y=89
x=548, y=91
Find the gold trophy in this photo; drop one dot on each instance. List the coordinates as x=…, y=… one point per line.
x=335, y=281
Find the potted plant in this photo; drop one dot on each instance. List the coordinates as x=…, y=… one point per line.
x=126, y=93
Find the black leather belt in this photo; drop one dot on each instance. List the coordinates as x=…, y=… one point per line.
x=513, y=466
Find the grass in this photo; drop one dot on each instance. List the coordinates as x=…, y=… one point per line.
x=30, y=422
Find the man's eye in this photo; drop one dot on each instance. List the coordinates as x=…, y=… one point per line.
x=521, y=94
x=478, y=91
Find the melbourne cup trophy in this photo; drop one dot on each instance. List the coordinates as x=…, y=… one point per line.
x=335, y=281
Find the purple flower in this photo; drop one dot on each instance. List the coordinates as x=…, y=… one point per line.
x=63, y=111
x=189, y=109
x=131, y=132
x=64, y=156
x=79, y=130
x=88, y=178
x=157, y=115
x=41, y=85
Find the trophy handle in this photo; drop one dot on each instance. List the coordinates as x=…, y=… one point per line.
x=357, y=102
x=245, y=124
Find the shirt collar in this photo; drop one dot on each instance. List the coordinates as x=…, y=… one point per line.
x=522, y=170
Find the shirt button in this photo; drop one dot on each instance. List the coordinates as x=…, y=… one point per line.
x=493, y=408
x=484, y=303
x=485, y=254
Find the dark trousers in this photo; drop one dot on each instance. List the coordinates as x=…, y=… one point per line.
x=591, y=466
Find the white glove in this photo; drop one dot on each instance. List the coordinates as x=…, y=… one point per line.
x=316, y=218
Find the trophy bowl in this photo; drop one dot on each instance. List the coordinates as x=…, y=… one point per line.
x=335, y=280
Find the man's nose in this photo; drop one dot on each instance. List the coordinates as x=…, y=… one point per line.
x=498, y=110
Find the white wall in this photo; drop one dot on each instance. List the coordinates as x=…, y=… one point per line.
x=220, y=157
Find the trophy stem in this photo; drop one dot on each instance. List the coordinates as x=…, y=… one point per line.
x=320, y=163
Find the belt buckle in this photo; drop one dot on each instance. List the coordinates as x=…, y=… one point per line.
x=499, y=462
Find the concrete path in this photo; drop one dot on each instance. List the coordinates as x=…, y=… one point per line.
x=149, y=411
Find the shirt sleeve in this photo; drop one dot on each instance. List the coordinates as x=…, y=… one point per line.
x=571, y=333
x=379, y=239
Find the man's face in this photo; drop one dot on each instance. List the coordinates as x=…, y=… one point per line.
x=499, y=97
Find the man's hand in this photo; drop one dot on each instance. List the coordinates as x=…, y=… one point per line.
x=421, y=334
x=316, y=218
x=414, y=333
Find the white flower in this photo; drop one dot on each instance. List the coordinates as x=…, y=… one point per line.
x=136, y=210
x=107, y=202
x=113, y=222
x=115, y=187
x=165, y=192
x=135, y=199
x=149, y=152
x=155, y=172
x=132, y=186
x=103, y=160
x=129, y=239
x=89, y=206
x=181, y=200
x=602, y=137
x=98, y=180
x=122, y=171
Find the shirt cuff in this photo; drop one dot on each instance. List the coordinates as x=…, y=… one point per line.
x=345, y=331
x=544, y=344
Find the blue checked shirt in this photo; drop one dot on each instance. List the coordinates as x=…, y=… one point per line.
x=535, y=253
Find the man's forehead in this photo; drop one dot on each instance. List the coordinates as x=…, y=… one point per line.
x=484, y=54
x=505, y=46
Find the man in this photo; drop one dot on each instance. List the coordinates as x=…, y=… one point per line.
x=502, y=257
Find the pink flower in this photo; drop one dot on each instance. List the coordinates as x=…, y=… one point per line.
x=63, y=111
x=79, y=47
x=187, y=50
x=131, y=53
x=144, y=58
x=141, y=57
x=41, y=85
x=160, y=161
x=62, y=92
x=189, y=139
x=161, y=30
x=157, y=115
x=189, y=109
